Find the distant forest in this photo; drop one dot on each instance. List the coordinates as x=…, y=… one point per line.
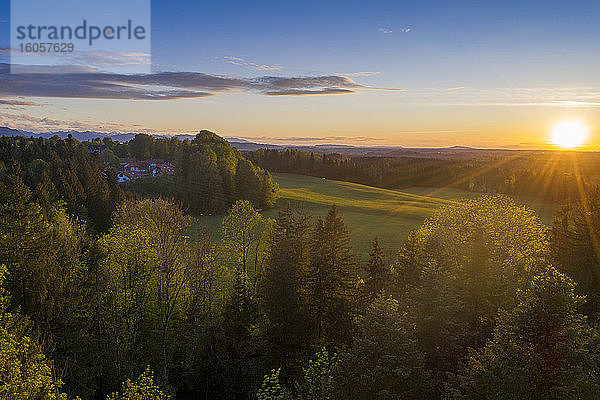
x=111, y=294
x=546, y=176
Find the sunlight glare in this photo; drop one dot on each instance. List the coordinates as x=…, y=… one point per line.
x=569, y=134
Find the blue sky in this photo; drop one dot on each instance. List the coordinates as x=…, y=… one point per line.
x=473, y=72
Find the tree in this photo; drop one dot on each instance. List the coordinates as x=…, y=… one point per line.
x=141, y=146
x=331, y=281
x=129, y=262
x=242, y=233
x=377, y=273
x=541, y=349
x=272, y=389
x=143, y=388
x=575, y=245
x=24, y=243
x=167, y=225
x=281, y=295
x=318, y=381
x=462, y=265
x=384, y=361
x=25, y=372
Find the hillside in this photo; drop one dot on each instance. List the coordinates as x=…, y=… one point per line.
x=368, y=211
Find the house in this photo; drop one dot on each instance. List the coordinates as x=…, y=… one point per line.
x=125, y=176
x=155, y=167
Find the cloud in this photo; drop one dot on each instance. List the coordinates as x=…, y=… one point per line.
x=363, y=73
x=577, y=103
x=108, y=58
x=312, y=140
x=241, y=61
x=42, y=124
x=308, y=92
x=387, y=31
x=17, y=103
x=456, y=88
x=163, y=85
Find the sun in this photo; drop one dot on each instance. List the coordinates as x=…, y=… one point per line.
x=569, y=134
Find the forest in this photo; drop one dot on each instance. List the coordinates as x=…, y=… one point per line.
x=543, y=175
x=112, y=291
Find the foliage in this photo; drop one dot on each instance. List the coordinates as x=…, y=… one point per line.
x=209, y=176
x=540, y=349
x=57, y=170
x=495, y=172
x=384, y=361
x=318, y=382
x=281, y=289
x=378, y=274
x=331, y=282
x=243, y=243
x=25, y=372
x=271, y=388
x=460, y=267
x=575, y=244
x=143, y=388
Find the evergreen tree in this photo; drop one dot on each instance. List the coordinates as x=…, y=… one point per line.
x=384, y=361
x=377, y=272
x=282, y=282
x=25, y=373
x=331, y=282
x=24, y=244
x=541, y=349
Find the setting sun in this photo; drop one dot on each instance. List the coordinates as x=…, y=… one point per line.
x=569, y=134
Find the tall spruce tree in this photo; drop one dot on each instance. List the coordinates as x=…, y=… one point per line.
x=377, y=272
x=281, y=287
x=331, y=282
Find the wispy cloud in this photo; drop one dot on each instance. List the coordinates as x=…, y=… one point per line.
x=44, y=124
x=314, y=139
x=166, y=85
x=17, y=103
x=242, y=62
x=577, y=103
x=308, y=92
x=456, y=88
x=80, y=60
x=362, y=73
x=387, y=31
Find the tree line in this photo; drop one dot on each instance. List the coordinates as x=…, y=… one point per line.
x=56, y=170
x=546, y=176
x=210, y=175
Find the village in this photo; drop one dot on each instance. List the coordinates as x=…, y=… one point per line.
x=133, y=169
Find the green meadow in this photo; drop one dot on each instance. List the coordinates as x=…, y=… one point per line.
x=368, y=211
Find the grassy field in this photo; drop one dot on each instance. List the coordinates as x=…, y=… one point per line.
x=368, y=211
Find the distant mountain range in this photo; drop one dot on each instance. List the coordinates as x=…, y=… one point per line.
x=246, y=145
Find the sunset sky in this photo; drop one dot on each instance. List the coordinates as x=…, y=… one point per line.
x=410, y=73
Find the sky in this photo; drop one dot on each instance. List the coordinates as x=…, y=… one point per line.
x=409, y=73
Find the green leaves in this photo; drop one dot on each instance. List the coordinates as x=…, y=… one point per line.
x=540, y=349
x=143, y=388
x=25, y=373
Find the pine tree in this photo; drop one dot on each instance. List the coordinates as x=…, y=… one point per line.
x=541, y=349
x=24, y=241
x=377, y=272
x=331, y=280
x=282, y=279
